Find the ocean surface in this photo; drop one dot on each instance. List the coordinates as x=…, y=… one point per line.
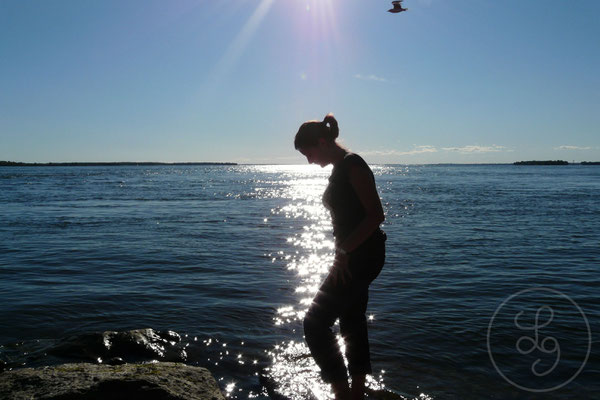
x=491, y=288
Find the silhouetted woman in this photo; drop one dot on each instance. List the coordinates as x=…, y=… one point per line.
x=356, y=212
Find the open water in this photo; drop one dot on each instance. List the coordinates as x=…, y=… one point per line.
x=490, y=289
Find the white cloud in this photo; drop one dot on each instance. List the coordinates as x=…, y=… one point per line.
x=370, y=78
x=572, y=148
x=298, y=159
x=415, y=150
x=476, y=149
x=424, y=149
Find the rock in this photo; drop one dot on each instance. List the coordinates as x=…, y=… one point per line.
x=116, y=361
x=152, y=381
x=134, y=346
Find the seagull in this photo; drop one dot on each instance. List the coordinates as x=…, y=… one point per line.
x=397, y=7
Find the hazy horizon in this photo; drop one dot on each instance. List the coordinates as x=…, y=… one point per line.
x=282, y=164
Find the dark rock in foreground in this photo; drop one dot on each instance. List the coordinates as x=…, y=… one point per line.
x=132, y=346
x=153, y=381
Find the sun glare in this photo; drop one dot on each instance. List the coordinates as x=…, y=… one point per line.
x=317, y=46
x=318, y=20
x=241, y=40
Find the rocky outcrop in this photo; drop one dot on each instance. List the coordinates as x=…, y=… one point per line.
x=132, y=346
x=151, y=381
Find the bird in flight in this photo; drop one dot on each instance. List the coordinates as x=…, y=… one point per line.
x=397, y=7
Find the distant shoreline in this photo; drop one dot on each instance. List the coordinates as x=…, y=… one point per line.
x=152, y=163
x=555, y=162
x=545, y=162
x=104, y=164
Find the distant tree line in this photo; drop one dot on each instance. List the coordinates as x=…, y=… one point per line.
x=554, y=162
x=547, y=162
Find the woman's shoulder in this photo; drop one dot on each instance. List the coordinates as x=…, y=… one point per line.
x=342, y=170
x=354, y=160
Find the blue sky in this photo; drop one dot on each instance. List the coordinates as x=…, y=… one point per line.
x=214, y=80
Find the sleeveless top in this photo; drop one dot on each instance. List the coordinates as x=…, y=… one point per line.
x=341, y=199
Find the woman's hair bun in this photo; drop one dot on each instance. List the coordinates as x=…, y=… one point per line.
x=311, y=132
x=334, y=130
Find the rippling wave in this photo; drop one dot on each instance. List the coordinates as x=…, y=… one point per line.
x=229, y=257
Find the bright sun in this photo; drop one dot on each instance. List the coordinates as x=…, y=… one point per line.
x=319, y=19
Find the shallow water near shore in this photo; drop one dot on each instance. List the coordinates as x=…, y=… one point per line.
x=230, y=256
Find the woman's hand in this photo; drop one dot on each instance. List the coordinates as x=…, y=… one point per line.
x=340, y=273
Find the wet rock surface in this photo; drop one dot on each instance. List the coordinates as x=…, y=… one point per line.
x=130, y=346
x=152, y=381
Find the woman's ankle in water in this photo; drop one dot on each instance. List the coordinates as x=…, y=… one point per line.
x=358, y=387
x=341, y=390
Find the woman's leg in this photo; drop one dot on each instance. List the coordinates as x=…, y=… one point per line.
x=358, y=387
x=341, y=390
x=323, y=344
x=320, y=317
x=365, y=266
x=353, y=327
x=349, y=303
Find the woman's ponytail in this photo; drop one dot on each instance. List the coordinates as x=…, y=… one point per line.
x=311, y=131
x=334, y=130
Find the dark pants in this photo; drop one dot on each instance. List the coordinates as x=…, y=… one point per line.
x=348, y=303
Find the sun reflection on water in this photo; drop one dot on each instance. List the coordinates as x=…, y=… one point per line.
x=293, y=372
x=306, y=253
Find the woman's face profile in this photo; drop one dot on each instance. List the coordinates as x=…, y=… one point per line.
x=313, y=155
